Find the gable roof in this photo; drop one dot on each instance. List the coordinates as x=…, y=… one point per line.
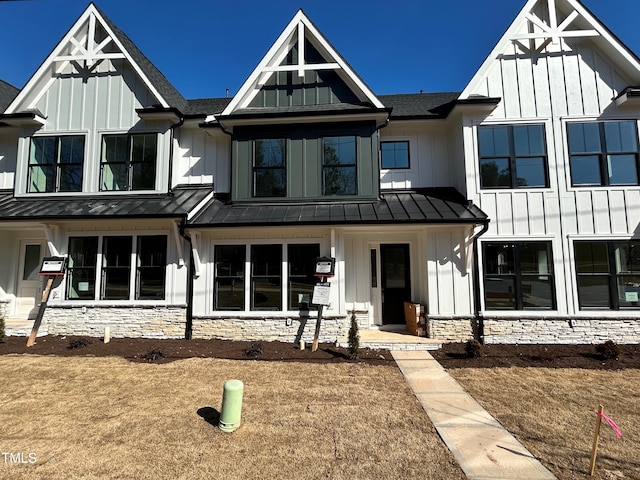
x=300, y=28
x=566, y=19
x=7, y=94
x=165, y=93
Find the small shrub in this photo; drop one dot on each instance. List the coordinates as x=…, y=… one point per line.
x=77, y=343
x=254, y=350
x=608, y=350
x=473, y=348
x=543, y=354
x=354, y=338
x=3, y=336
x=154, y=355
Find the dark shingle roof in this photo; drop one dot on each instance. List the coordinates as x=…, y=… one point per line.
x=420, y=105
x=424, y=206
x=7, y=94
x=178, y=204
x=155, y=76
x=206, y=106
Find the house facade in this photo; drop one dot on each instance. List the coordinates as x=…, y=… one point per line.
x=510, y=210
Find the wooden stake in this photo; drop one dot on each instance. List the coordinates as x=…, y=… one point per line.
x=316, y=335
x=596, y=437
x=43, y=305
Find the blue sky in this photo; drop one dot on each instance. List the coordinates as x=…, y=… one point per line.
x=206, y=46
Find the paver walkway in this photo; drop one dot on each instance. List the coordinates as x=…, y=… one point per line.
x=483, y=448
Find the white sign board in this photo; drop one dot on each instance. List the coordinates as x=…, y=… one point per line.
x=321, y=292
x=324, y=267
x=52, y=266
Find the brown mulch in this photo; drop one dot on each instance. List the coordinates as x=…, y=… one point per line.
x=453, y=355
x=167, y=350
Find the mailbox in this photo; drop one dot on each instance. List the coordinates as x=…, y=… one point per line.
x=325, y=267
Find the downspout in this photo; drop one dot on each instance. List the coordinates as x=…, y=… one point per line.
x=476, y=282
x=188, y=330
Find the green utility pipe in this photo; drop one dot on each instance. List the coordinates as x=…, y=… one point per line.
x=231, y=406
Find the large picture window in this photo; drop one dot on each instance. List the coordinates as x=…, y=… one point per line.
x=518, y=276
x=302, y=262
x=270, y=168
x=608, y=274
x=110, y=258
x=55, y=164
x=394, y=155
x=603, y=153
x=512, y=156
x=339, y=166
x=229, y=289
x=128, y=162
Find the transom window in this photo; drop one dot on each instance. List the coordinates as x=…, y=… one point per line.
x=128, y=162
x=55, y=164
x=518, y=276
x=339, y=166
x=270, y=168
x=394, y=155
x=603, y=153
x=513, y=156
x=110, y=258
x=608, y=274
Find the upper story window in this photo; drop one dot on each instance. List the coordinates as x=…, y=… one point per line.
x=518, y=276
x=513, y=156
x=603, y=153
x=394, y=154
x=270, y=168
x=608, y=274
x=339, y=166
x=128, y=162
x=55, y=164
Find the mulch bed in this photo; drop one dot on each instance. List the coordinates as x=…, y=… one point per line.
x=167, y=350
x=453, y=355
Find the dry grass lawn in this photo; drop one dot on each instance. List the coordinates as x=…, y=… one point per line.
x=107, y=418
x=553, y=413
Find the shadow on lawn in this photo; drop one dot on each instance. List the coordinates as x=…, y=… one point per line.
x=209, y=415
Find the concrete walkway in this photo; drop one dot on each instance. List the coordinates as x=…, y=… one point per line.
x=482, y=447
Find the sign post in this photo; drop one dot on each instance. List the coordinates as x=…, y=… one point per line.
x=325, y=267
x=52, y=267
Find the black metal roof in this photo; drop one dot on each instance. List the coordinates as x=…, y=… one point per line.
x=178, y=204
x=424, y=206
x=7, y=94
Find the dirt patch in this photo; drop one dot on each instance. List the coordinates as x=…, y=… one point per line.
x=453, y=355
x=168, y=350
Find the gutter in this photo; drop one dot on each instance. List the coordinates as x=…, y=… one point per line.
x=476, y=283
x=188, y=329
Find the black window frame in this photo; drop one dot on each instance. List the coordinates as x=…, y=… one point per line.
x=339, y=167
x=129, y=163
x=225, y=271
x=612, y=275
x=518, y=276
x=512, y=157
x=151, y=267
x=262, y=260
x=57, y=166
x=83, y=264
x=603, y=154
x=262, y=169
x=395, y=142
x=302, y=273
x=113, y=264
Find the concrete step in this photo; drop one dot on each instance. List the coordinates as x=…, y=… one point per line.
x=396, y=340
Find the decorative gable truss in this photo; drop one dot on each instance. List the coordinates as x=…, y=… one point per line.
x=289, y=54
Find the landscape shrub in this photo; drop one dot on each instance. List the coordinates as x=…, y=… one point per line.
x=473, y=348
x=608, y=350
x=154, y=355
x=76, y=343
x=3, y=336
x=255, y=350
x=354, y=338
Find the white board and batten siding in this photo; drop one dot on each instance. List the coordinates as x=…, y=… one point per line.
x=202, y=157
x=8, y=158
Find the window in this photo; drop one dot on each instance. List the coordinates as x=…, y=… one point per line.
x=113, y=256
x=55, y=164
x=603, y=153
x=128, y=162
x=394, y=154
x=608, y=274
x=229, y=277
x=81, y=271
x=269, y=168
x=302, y=263
x=152, y=261
x=339, y=166
x=518, y=276
x=266, y=277
x=513, y=156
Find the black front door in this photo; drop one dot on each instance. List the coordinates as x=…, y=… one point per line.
x=396, y=282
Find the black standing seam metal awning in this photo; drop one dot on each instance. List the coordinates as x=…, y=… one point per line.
x=423, y=206
x=56, y=206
